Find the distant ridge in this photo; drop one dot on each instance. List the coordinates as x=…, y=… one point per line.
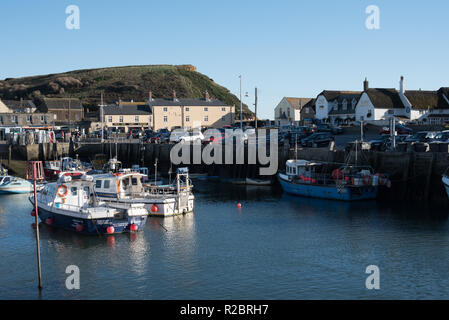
x=125, y=83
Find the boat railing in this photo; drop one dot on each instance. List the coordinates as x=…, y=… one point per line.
x=349, y=180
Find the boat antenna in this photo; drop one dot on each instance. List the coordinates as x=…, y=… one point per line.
x=296, y=146
x=155, y=172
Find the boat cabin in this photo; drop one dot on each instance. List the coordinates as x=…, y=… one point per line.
x=296, y=168
x=119, y=185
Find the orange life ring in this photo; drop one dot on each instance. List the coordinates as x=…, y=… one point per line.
x=368, y=180
x=62, y=187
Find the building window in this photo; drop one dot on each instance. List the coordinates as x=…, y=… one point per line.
x=206, y=118
x=110, y=118
x=1, y=119
x=44, y=119
x=136, y=119
x=223, y=109
x=120, y=119
x=187, y=109
x=165, y=119
x=187, y=118
x=29, y=118
x=14, y=119
x=206, y=109
x=165, y=109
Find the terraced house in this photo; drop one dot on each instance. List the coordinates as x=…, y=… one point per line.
x=14, y=114
x=190, y=113
x=66, y=110
x=128, y=115
x=336, y=106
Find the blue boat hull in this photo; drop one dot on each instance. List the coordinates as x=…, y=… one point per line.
x=329, y=192
x=89, y=226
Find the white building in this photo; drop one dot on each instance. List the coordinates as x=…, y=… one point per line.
x=336, y=106
x=288, y=111
x=380, y=104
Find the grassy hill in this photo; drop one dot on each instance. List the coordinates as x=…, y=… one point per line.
x=126, y=83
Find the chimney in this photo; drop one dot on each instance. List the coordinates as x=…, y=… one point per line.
x=174, y=95
x=206, y=96
x=365, y=85
x=401, y=85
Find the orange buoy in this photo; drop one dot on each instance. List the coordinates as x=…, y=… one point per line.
x=239, y=205
x=133, y=227
x=110, y=229
x=154, y=208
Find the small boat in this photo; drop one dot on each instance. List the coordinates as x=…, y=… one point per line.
x=52, y=169
x=11, y=185
x=160, y=200
x=347, y=183
x=70, y=203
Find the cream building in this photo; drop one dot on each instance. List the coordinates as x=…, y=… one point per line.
x=125, y=116
x=190, y=113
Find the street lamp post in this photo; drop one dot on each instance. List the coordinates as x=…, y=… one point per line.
x=241, y=107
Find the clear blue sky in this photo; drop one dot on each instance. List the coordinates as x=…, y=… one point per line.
x=285, y=48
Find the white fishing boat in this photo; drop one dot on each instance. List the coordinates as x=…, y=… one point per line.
x=159, y=200
x=258, y=182
x=11, y=185
x=71, y=203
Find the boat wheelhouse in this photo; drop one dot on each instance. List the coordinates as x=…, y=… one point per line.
x=71, y=203
x=347, y=183
x=160, y=200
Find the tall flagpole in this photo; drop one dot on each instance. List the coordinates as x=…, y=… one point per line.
x=241, y=107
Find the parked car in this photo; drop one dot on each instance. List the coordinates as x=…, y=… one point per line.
x=177, y=134
x=382, y=143
x=400, y=129
x=422, y=136
x=160, y=137
x=325, y=127
x=442, y=136
x=318, y=139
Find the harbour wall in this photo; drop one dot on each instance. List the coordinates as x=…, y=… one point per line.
x=415, y=172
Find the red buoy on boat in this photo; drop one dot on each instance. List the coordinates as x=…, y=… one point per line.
x=110, y=229
x=79, y=227
x=133, y=227
x=33, y=213
x=49, y=221
x=154, y=208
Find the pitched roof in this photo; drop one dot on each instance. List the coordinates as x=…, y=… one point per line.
x=62, y=103
x=297, y=103
x=187, y=102
x=426, y=99
x=19, y=104
x=129, y=109
x=310, y=104
x=332, y=95
x=385, y=98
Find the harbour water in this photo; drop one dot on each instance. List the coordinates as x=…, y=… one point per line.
x=275, y=247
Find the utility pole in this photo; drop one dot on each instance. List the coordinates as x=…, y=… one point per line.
x=241, y=106
x=255, y=109
x=102, y=118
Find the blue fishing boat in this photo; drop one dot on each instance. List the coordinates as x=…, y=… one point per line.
x=70, y=203
x=347, y=183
